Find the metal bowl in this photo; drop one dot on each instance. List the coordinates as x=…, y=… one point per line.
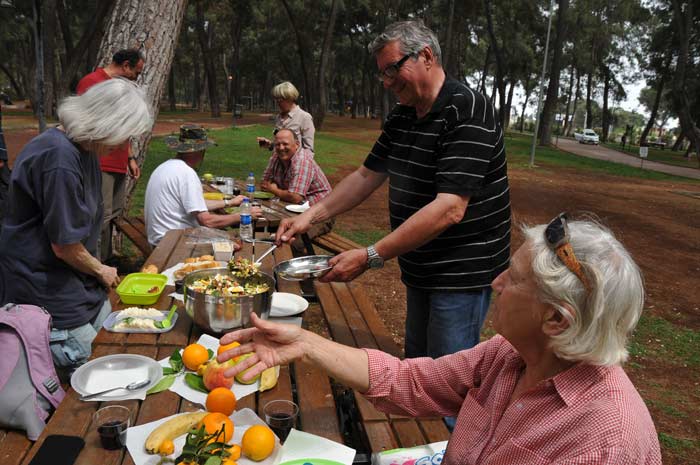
x=300, y=268
x=216, y=314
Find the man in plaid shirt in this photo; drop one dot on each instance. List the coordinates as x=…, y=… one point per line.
x=294, y=176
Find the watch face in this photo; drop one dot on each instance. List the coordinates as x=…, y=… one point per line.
x=376, y=262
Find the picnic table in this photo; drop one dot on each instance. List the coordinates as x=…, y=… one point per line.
x=343, y=312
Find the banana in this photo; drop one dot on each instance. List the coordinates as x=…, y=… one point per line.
x=268, y=378
x=171, y=429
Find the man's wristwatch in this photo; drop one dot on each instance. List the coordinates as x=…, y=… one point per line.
x=374, y=261
x=225, y=202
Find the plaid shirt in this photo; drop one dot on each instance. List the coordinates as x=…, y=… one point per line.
x=584, y=415
x=302, y=176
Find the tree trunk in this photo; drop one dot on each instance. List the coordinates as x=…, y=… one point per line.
x=589, y=106
x=654, y=110
x=568, y=99
x=500, y=63
x=304, y=61
x=323, y=65
x=552, y=100
x=577, y=96
x=37, y=27
x=606, y=111
x=509, y=102
x=482, y=83
x=679, y=142
x=19, y=92
x=684, y=27
x=49, y=39
x=196, y=86
x=208, y=58
x=448, y=61
x=153, y=27
x=171, y=90
x=528, y=91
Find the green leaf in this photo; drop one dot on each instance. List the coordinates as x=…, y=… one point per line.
x=164, y=383
x=211, y=353
x=176, y=360
x=213, y=461
x=195, y=382
x=168, y=371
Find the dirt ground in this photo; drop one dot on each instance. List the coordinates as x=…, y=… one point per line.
x=659, y=222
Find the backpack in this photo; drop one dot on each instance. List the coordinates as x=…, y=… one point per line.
x=29, y=385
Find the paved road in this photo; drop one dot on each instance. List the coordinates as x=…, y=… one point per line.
x=603, y=153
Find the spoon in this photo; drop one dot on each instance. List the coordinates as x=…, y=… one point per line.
x=165, y=324
x=267, y=252
x=130, y=387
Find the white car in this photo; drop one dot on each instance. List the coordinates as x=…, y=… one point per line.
x=587, y=136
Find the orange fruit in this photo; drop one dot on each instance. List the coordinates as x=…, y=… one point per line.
x=234, y=451
x=166, y=448
x=194, y=355
x=226, y=347
x=221, y=400
x=229, y=462
x=258, y=442
x=214, y=422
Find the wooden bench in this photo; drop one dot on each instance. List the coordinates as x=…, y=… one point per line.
x=353, y=320
x=335, y=243
x=134, y=228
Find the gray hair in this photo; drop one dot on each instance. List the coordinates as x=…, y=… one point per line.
x=603, y=317
x=109, y=113
x=285, y=90
x=412, y=36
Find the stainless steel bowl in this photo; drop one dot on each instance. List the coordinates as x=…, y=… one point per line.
x=218, y=315
x=300, y=268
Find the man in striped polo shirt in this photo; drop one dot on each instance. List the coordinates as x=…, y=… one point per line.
x=442, y=150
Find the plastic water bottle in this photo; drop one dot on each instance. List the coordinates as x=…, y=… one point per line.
x=246, y=227
x=250, y=185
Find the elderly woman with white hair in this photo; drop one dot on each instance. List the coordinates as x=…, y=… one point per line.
x=291, y=117
x=48, y=244
x=548, y=388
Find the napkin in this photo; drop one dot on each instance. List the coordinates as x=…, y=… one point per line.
x=300, y=445
x=242, y=420
x=183, y=390
x=103, y=379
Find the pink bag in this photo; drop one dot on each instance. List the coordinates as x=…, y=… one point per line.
x=29, y=386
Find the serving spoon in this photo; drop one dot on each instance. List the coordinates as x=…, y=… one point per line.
x=129, y=387
x=165, y=324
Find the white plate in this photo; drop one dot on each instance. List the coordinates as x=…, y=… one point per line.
x=116, y=370
x=285, y=304
x=115, y=317
x=298, y=208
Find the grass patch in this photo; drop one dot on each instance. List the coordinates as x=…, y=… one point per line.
x=657, y=338
x=677, y=445
x=363, y=236
x=518, y=149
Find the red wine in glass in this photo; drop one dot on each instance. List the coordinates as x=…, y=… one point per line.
x=281, y=424
x=112, y=434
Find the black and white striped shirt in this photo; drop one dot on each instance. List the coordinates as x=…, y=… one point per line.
x=456, y=148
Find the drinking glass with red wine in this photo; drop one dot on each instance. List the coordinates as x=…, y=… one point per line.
x=281, y=417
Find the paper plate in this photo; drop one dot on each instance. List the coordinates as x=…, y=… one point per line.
x=298, y=208
x=311, y=462
x=285, y=304
x=115, y=317
x=115, y=370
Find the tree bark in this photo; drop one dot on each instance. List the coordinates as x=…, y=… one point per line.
x=606, y=111
x=482, y=83
x=171, y=90
x=303, y=60
x=37, y=27
x=19, y=92
x=684, y=27
x=679, y=142
x=572, y=78
x=448, y=61
x=577, y=96
x=509, y=102
x=500, y=63
x=153, y=27
x=323, y=64
x=528, y=91
x=589, y=105
x=654, y=110
x=552, y=100
x=49, y=39
x=208, y=58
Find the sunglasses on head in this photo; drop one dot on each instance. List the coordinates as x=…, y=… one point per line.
x=557, y=236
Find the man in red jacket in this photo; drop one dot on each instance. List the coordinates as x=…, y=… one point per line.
x=119, y=163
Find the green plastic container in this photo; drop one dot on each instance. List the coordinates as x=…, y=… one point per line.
x=134, y=288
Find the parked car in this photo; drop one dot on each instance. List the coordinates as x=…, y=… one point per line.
x=587, y=136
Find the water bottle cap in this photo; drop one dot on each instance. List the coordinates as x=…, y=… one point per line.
x=251, y=174
x=246, y=200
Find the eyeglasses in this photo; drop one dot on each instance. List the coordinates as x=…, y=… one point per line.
x=557, y=236
x=391, y=71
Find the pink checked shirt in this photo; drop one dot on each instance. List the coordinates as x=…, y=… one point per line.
x=303, y=176
x=584, y=415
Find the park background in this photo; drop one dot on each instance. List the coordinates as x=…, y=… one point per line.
x=208, y=61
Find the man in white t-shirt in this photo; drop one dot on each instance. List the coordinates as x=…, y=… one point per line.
x=174, y=196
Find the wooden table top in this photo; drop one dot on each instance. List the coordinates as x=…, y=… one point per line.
x=304, y=384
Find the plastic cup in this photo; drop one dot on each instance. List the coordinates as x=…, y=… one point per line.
x=281, y=417
x=112, y=423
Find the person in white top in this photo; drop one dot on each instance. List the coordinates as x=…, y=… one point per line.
x=174, y=195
